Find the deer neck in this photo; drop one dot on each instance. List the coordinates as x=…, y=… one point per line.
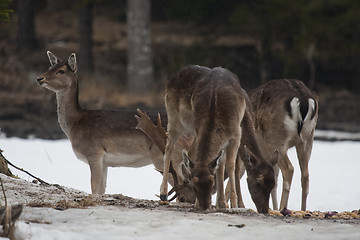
x=68, y=107
x=206, y=147
x=249, y=136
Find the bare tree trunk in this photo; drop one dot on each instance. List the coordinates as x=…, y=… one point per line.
x=85, y=29
x=140, y=61
x=26, y=37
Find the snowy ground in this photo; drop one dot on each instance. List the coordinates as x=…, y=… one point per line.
x=334, y=185
x=122, y=223
x=334, y=173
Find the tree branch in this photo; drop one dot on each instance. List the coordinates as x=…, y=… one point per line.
x=21, y=169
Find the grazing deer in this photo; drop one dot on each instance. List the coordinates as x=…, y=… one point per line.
x=181, y=174
x=258, y=163
x=260, y=171
x=286, y=113
x=101, y=138
x=209, y=104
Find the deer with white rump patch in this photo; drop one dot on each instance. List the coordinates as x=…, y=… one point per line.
x=207, y=103
x=101, y=138
x=286, y=113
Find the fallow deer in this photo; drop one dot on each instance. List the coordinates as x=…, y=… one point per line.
x=209, y=104
x=260, y=171
x=101, y=138
x=258, y=163
x=286, y=113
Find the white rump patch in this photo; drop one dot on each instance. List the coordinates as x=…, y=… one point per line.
x=311, y=109
x=295, y=109
x=309, y=124
x=292, y=123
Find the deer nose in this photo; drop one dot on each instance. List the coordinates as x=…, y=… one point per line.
x=38, y=79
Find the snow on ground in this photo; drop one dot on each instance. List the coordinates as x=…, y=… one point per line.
x=139, y=219
x=334, y=185
x=123, y=223
x=334, y=173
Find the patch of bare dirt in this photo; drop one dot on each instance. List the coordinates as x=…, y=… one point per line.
x=19, y=191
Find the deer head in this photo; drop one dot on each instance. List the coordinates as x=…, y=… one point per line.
x=260, y=178
x=203, y=179
x=60, y=75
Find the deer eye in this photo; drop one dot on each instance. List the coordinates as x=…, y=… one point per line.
x=61, y=71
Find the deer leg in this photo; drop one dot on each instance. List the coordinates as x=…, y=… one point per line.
x=96, y=171
x=239, y=173
x=287, y=171
x=303, y=151
x=220, y=198
x=102, y=185
x=274, y=191
x=170, y=144
x=231, y=154
x=227, y=192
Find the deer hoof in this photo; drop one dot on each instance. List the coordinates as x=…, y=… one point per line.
x=163, y=197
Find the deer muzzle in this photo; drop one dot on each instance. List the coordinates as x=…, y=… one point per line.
x=39, y=80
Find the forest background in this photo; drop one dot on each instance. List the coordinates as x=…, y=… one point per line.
x=128, y=49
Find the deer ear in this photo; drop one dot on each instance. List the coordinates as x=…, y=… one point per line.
x=52, y=58
x=72, y=62
x=186, y=171
x=186, y=159
x=216, y=162
x=274, y=157
x=250, y=158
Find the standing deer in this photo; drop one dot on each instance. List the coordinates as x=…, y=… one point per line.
x=101, y=138
x=207, y=103
x=286, y=113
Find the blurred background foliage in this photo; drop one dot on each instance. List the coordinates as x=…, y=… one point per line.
x=317, y=42
x=4, y=10
x=289, y=33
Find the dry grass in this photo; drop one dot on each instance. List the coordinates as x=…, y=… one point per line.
x=124, y=201
x=349, y=215
x=84, y=202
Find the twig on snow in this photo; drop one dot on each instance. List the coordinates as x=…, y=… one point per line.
x=23, y=170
